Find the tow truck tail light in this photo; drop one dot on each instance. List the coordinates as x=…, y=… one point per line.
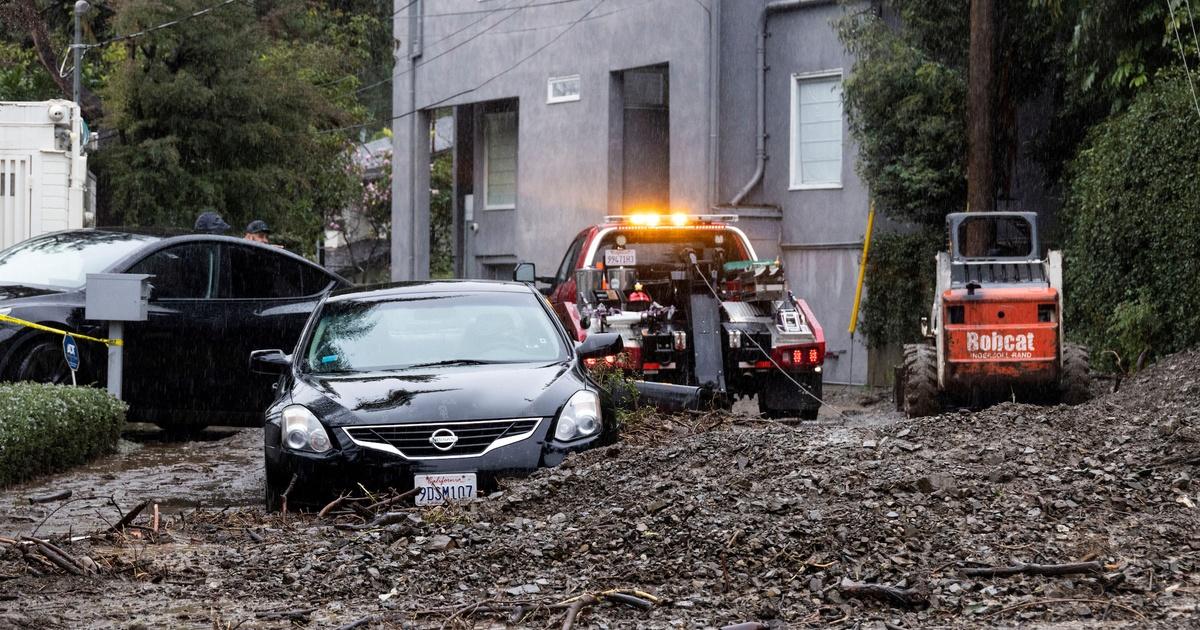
x=630, y=359
x=806, y=355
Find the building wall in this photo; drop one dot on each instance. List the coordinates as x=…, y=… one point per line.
x=563, y=159
x=566, y=163
x=820, y=232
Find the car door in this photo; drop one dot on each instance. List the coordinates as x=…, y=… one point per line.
x=563, y=291
x=268, y=296
x=169, y=371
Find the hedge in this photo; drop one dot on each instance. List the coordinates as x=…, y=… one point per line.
x=901, y=273
x=1132, y=227
x=48, y=428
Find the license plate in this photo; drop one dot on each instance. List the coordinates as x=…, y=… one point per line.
x=439, y=489
x=620, y=258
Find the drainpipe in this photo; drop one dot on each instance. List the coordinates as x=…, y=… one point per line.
x=416, y=13
x=714, y=101
x=760, y=144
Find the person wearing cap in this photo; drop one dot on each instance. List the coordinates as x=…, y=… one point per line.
x=210, y=222
x=258, y=232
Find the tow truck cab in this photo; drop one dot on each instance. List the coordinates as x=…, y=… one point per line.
x=694, y=306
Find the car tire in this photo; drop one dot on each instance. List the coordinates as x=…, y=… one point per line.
x=178, y=432
x=41, y=361
x=1075, y=382
x=273, y=492
x=920, y=381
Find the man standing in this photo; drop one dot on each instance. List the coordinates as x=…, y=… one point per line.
x=210, y=222
x=258, y=232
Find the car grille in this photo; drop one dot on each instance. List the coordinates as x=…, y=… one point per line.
x=413, y=440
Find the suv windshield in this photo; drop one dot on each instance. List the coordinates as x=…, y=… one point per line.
x=437, y=329
x=63, y=260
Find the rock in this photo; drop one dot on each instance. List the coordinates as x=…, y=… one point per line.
x=441, y=542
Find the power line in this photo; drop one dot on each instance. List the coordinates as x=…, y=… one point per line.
x=427, y=60
x=168, y=24
x=514, y=66
x=471, y=12
x=1183, y=57
x=485, y=31
x=485, y=82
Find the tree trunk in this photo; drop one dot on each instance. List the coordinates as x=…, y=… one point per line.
x=25, y=13
x=981, y=186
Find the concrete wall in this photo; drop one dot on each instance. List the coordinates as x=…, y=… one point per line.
x=820, y=231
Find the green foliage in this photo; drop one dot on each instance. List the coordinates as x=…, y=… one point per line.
x=48, y=428
x=1133, y=228
x=899, y=286
x=906, y=104
x=441, y=208
x=1132, y=330
x=216, y=114
x=21, y=78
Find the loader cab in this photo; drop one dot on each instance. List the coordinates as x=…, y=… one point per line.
x=993, y=236
x=995, y=331
x=999, y=307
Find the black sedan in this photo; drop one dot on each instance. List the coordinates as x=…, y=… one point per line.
x=214, y=300
x=437, y=386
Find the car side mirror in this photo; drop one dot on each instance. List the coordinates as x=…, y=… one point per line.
x=525, y=272
x=599, y=345
x=273, y=362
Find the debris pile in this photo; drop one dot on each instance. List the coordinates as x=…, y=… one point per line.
x=1014, y=514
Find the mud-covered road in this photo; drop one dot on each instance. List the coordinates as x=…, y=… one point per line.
x=866, y=521
x=218, y=468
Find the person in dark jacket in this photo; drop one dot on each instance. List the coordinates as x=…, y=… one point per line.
x=210, y=222
x=258, y=232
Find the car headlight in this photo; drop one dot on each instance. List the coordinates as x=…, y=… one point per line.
x=579, y=418
x=303, y=432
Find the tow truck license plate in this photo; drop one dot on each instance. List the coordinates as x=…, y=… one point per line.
x=438, y=489
x=620, y=258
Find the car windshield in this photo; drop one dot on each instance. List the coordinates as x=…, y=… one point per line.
x=63, y=260
x=432, y=329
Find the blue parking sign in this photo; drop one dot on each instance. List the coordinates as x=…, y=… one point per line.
x=71, y=352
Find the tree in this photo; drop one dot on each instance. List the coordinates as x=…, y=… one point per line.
x=1133, y=227
x=218, y=113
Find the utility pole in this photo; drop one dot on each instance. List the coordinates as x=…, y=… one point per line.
x=981, y=107
x=81, y=7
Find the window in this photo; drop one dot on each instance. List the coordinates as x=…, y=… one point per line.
x=186, y=272
x=500, y=160
x=816, y=151
x=562, y=89
x=260, y=274
x=567, y=268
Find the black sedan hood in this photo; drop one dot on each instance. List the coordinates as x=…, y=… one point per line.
x=439, y=394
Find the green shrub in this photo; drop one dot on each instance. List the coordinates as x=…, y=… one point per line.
x=1132, y=228
x=899, y=286
x=48, y=428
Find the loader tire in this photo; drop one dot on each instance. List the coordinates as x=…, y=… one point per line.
x=920, y=387
x=1076, y=380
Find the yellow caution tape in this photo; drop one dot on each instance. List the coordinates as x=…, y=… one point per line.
x=36, y=326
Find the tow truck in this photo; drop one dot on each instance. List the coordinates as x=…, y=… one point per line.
x=702, y=318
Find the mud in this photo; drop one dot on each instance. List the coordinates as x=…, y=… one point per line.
x=721, y=519
x=217, y=468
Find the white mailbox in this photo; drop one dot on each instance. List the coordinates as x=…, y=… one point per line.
x=117, y=297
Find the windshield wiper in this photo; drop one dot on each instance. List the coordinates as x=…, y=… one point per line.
x=451, y=362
